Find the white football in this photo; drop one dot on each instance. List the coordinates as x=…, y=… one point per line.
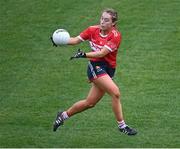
x=60, y=37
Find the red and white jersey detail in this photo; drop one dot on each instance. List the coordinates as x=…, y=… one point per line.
x=95, y=47
x=97, y=41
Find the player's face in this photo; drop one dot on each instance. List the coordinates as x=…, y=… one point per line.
x=106, y=22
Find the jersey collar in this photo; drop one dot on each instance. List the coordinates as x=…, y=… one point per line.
x=102, y=35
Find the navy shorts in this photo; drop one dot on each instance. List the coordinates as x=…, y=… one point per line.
x=98, y=69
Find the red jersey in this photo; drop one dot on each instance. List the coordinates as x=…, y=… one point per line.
x=97, y=41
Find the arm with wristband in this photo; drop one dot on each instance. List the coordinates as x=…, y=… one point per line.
x=80, y=54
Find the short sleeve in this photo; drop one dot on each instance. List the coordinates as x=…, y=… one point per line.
x=85, y=35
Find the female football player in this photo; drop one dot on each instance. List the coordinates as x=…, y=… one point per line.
x=104, y=41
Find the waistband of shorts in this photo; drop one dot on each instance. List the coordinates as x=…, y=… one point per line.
x=99, y=63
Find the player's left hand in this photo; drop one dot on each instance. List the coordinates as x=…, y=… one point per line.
x=79, y=54
x=53, y=42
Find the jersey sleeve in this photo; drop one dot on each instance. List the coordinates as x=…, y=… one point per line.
x=113, y=43
x=85, y=35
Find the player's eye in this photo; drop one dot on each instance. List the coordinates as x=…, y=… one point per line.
x=105, y=19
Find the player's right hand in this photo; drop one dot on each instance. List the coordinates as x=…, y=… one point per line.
x=79, y=54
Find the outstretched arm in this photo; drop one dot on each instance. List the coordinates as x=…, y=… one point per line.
x=74, y=41
x=99, y=54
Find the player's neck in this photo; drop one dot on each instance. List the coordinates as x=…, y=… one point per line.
x=105, y=32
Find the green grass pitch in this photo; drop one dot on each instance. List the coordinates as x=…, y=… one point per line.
x=37, y=80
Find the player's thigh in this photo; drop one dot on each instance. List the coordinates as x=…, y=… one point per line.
x=106, y=84
x=95, y=94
